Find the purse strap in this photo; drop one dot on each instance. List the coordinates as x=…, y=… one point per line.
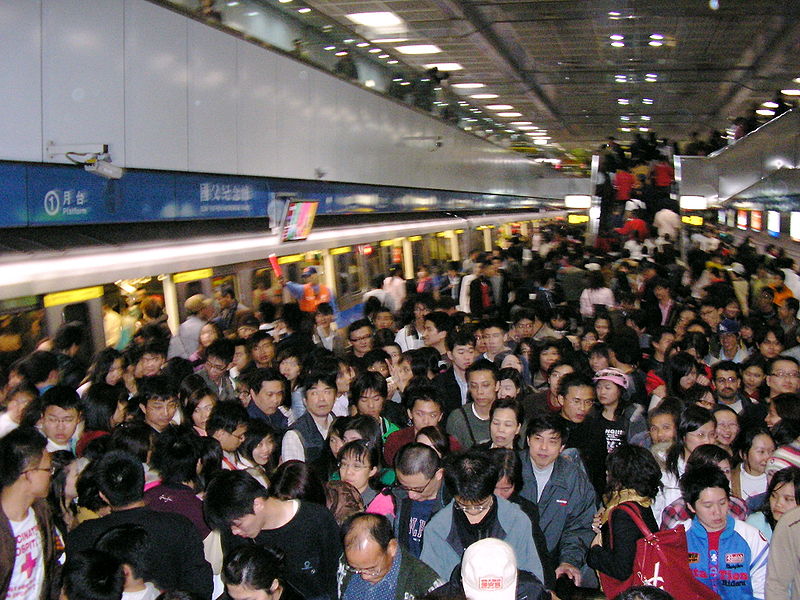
x=635, y=517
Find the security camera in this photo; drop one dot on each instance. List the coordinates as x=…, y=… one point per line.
x=104, y=168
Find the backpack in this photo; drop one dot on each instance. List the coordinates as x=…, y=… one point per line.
x=662, y=561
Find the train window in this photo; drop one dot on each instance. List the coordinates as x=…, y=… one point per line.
x=374, y=265
x=21, y=328
x=262, y=282
x=347, y=274
x=80, y=312
x=418, y=253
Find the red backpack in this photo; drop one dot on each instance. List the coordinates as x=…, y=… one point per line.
x=662, y=561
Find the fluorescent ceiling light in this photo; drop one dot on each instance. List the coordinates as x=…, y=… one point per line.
x=577, y=201
x=647, y=100
x=375, y=19
x=656, y=36
x=693, y=203
x=653, y=75
x=499, y=107
x=375, y=50
x=509, y=114
x=623, y=101
x=419, y=49
x=362, y=44
x=765, y=112
x=252, y=13
x=625, y=129
x=484, y=96
x=383, y=56
x=392, y=62
x=304, y=10
x=330, y=48
x=645, y=118
x=618, y=44
x=655, y=43
x=389, y=40
x=624, y=118
x=468, y=86
x=527, y=127
x=613, y=13
x=644, y=129
x=769, y=104
x=616, y=37
x=444, y=66
x=790, y=92
x=521, y=123
x=342, y=53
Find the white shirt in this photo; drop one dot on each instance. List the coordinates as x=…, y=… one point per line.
x=27, y=577
x=667, y=221
x=150, y=592
x=752, y=485
x=292, y=447
x=7, y=424
x=463, y=296
x=542, y=477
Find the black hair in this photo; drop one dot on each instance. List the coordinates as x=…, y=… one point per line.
x=88, y=492
x=678, y=366
x=158, y=347
x=176, y=370
x=368, y=428
x=726, y=365
x=644, y=592
x=574, y=379
x=62, y=396
x=694, y=340
x=37, y=367
x=226, y=416
x=156, y=387
x=129, y=544
x=314, y=377
x=230, y=496
x=416, y=458
x=790, y=475
x=471, y=475
x=375, y=355
x=787, y=406
x=379, y=528
x=257, y=430
x=425, y=392
x=366, y=452
x=482, y=365
x=120, y=478
x=324, y=308
x=133, y=437
x=102, y=364
x=100, y=404
x=694, y=481
x=744, y=441
x=175, y=456
x=514, y=376
x=295, y=479
x=762, y=333
x=61, y=460
x=359, y=324
x=692, y=418
x=259, y=336
x=68, y=335
x=508, y=465
x=190, y=403
x=510, y=403
x=441, y=320
x=771, y=364
x=256, y=567
x=546, y=423
x=367, y=380
x=438, y=437
x=707, y=454
x=660, y=331
x=209, y=453
x=92, y=575
x=459, y=337
x=633, y=467
x=19, y=449
x=492, y=323
x=222, y=348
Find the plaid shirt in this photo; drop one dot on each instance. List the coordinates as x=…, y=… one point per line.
x=676, y=513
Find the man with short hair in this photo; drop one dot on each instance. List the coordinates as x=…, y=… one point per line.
x=494, y=332
x=219, y=355
x=175, y=559
x=425, y=410
x=437, y=325
x=787, y=319
x=469, y=424
x=185, y=342
x=153, y=357
x=262, y=349
x=157, y=402
x=783, y=377
x=92, y=575
x=67, y=343
x=268, y=389
x=563, y=493
x=311, y=292
x=40, y=369
x=522, y=321
x=419, y=493
x=481, y=294
x=730, y=347
x=360, y=334
x=726, y=377
x=375, y=565
x=305, y=532
x=476, y=513
x=227, y=424
x=27, y=543
x=452, y=384
x=726, y=554
x=129, y=544
x=61, y=415
x=230, y=309
x=305, y=439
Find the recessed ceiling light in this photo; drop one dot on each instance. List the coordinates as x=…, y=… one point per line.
x=618, y=44
x=389, y=40
x=625, y=129
x=468, y=86
x=330, y=48
x=348, y=41
x=650, y=79
x=392, y=62
x=790, y=92
x=765, y=112
x=445, y=66
x=616, y=37
x=624, y=118
x=644, y=129
x=528, y=127
x=521, y=123
x=769, y=104
x=656, y=36
x=484, y=96
x=362, y=44
x=375, y=50
x=655, y=43
x=284, y=1
x=509, y=114
x=418, y=49
x=304, y=10
x=252, y=13
x=645, y=118
x=499, y=107
x=383, y=56
x=623, y=101
x=406, y=83
x=647, y=100
x=375, y=19
x=342, y=53
x=653, y=75
x=233, y=3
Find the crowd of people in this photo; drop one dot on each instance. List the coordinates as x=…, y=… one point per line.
x=474, y=435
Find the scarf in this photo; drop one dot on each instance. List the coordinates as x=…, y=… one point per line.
x=616, y=498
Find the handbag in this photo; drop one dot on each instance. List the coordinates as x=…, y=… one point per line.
x=662, y=561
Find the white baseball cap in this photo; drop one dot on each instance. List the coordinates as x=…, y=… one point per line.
x=489, y=571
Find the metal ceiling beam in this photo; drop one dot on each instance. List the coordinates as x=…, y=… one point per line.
x=483, y=28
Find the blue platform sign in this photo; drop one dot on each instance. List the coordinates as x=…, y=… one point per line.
x=13, y=205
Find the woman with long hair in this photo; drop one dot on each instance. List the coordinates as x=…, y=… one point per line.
x=104, y=407
x=783, y=494
x=260, y=449
x=208, y=333
x=596, y=293
x=63, y=493
x=360, y=466
x=197, y=407
x=108, y=367
x=752, y=450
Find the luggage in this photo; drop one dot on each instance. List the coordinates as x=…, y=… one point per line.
x=662, y=561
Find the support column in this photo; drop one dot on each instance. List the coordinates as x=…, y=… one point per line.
x=330, y=271
x=487, y=240
x=171, y=303
x=454, y=248
x=408, y=260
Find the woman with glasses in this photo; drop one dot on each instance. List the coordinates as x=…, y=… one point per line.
x=360, y=466
x=727, y=426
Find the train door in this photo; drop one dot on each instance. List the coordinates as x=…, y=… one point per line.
x=22, y=327
x=85, y=306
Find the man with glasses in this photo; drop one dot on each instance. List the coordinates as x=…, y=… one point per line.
x=27, y=549
x=476, y=513
x=726, y=377
x=783, y=377
x=419, y=494
x=360, y=335
x=228, y=424
x=375, y=566
x=215, y=369
x=61, y=415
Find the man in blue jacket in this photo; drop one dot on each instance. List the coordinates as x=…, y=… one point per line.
x=474, y=514
x=727, y=555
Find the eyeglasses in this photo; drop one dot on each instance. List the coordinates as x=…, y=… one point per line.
x=726, y=379
x=788, y=374
x=216, y=366
x=354, y=466
x=368, y=572
x=473, y=509
x=416, y=490
x=57, y=421
x=51, y=469
x=580, y=402
x=363, y=338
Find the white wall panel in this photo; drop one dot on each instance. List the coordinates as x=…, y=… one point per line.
x=82, y=74
x=256, y=114
x=295, y=125
x=212, y=102
x=155, y=87
x=21, y=80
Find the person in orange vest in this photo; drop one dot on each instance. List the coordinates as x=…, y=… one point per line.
x=311, y=292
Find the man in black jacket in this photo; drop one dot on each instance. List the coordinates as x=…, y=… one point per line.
x=175, y=560
x=452, y=384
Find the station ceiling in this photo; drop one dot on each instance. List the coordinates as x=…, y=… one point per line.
x=586, y=69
